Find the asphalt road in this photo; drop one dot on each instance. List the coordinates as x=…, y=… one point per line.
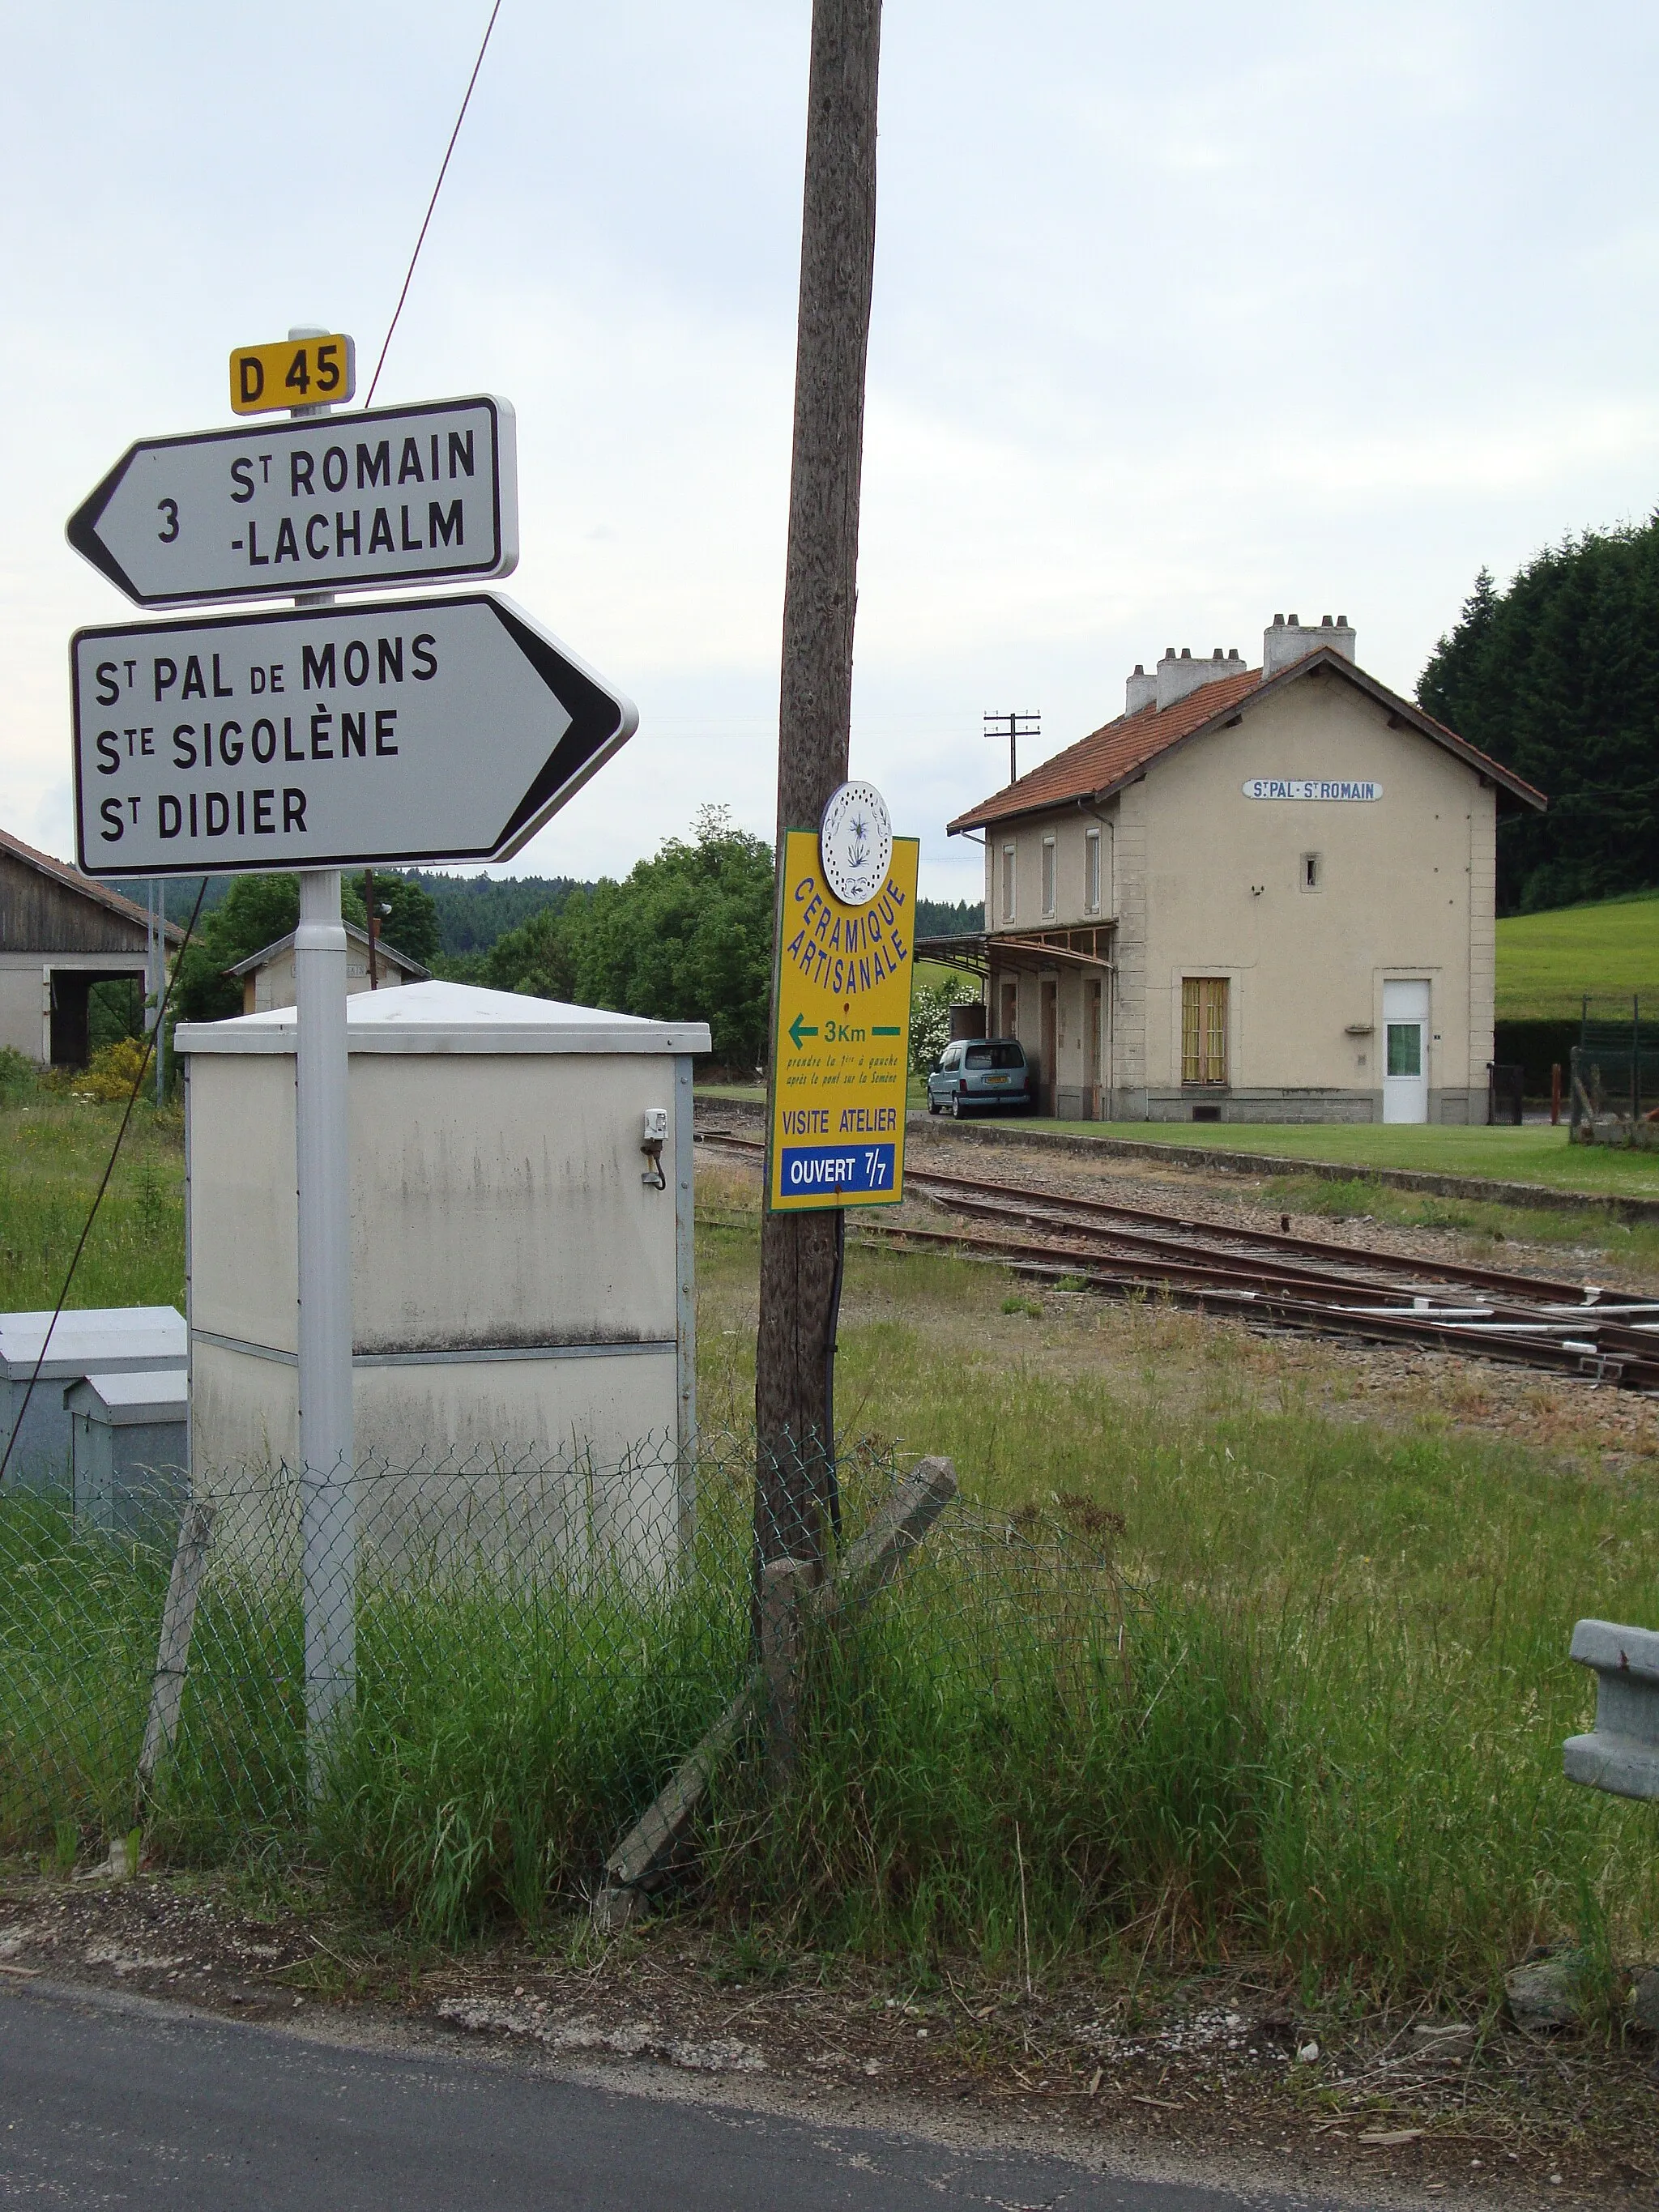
x=124, y=2103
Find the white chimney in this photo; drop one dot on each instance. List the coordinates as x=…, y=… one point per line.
x=1290, y=640
x=1140, y=690
x=1178, y=677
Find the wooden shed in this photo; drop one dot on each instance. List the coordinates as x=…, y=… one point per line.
x=60, y=933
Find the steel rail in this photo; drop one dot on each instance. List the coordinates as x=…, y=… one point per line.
x=1573, y=1334
x=1218, y=1292
x=1528, y=1287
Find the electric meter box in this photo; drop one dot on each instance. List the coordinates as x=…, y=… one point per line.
x=521, y=1268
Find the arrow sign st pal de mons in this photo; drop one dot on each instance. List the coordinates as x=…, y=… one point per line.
x=402, y=730
x=342, y=503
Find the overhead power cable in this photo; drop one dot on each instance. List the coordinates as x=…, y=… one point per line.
x=442, y=173
x=115, y=1153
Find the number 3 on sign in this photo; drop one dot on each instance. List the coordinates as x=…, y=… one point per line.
x=297, y=373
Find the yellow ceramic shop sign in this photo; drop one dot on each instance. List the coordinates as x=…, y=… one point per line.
x=840, y=1034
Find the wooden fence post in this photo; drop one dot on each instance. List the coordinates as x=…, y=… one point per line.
x=166, y=1691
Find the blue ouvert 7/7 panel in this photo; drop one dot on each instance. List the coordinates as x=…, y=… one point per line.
x=836, y=1167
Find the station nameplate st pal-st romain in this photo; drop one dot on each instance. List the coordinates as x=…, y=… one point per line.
x=842, y=1034
x=425, y=494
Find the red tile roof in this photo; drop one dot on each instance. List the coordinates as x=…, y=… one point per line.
x=1110, y=758
x=100, y=893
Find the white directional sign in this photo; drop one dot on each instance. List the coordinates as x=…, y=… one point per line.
x=338, y=502
x=447, y=728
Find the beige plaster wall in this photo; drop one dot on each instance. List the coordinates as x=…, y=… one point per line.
x=23, y=1001
x=1203, y=881
x=1406, y=890
x=273, y=985
x=1069, y=830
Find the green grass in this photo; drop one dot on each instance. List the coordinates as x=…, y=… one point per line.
x=938, y=971
x=1318, y=1718
x=1536, y=1154
x=1548, y=961
x=751, y=1093
x=509, y=1721
x=53, y=1151
x=1207, y=1671
x=1632, y=1245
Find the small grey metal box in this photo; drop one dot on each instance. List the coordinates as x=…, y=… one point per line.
x=1622, y=1752
x=131, y=1451
x=105, y=1340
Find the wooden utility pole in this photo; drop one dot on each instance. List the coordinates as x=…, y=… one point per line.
x=795, y=1502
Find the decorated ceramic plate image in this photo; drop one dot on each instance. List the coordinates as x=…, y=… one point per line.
x=855, y=843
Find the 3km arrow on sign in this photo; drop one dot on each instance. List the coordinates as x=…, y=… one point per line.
x=340, y=503
x=407, y=730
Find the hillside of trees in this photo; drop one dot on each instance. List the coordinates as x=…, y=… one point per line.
x=471, y=911
x=685, y=936
x=949, y=917
x=1557, y=676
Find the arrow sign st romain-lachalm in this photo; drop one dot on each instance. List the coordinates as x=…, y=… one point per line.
x=439, y=728
x=342, y=502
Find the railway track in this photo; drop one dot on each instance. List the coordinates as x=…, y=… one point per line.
x=1276, y=1280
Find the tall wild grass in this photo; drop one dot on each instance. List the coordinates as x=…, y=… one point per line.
x=1202, y=1672
x=1024, y=1750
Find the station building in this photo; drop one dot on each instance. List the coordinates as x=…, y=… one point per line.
x=269, y=977
x=1259, y=895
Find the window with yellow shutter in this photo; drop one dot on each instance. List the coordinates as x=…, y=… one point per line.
x=1204, y=1028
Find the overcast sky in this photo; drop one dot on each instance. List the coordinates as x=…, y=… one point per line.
x=1183, y=316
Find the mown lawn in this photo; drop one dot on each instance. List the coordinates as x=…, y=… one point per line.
x=1548, y=961
x=1532, y=1154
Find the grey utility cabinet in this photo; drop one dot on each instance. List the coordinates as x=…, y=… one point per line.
x=102, y=1340
x=131, y=1452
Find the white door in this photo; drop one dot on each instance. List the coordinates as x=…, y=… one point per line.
x=1404, y=1052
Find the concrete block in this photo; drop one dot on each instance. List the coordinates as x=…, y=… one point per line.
x=1621, y=1753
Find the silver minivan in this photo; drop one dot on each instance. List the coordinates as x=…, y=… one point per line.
x=981, y=1071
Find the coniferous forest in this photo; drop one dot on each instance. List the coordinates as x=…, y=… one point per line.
x=1557, y=677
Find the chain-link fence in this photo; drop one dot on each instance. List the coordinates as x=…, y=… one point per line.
x=464, y=1680
x=1615, y=1075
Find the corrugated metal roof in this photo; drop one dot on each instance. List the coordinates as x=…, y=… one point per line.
x=101, y=894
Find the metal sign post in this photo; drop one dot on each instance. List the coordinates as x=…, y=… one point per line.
x=327, y=1431
x=327, y=1417
x=396, y=730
